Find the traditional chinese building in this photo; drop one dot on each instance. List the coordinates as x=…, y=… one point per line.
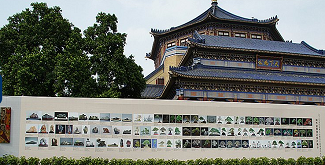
x=224, y=57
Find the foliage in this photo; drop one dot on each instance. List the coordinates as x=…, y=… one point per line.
x=43, y=54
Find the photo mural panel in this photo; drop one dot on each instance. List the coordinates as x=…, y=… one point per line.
x=5, y=120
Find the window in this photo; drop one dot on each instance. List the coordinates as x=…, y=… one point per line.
x=160, y=81
x=171, y=44
x=241, y=35
x=221, y=33
x=183, y=42
x=256, y=36
x=211, y=33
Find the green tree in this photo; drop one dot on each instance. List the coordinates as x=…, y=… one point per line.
x=117, y=75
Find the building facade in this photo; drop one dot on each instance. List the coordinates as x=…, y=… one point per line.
x=224, y=57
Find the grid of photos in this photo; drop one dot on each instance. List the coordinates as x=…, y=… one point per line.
x=116, y=130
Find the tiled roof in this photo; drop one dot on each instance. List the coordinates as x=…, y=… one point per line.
x=154, y=72
x=152, y=91
x=255, y=45
x=218, y=13
x=208, y=72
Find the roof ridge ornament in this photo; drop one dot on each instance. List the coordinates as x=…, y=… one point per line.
x=214, y=5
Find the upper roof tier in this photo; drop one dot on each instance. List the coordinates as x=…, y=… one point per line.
x=218, y=13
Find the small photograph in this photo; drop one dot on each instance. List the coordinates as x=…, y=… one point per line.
x=258, y=144
x=194, y=118
x=230, y=143
x=106, y=130
x=33, y=115
x=196, y=143
x=136, y=130
x=260, y=131
x=154, y=130
x=86, y=129
x=211, y=119
x=90, y=142
x=68, y=129
x=245, y=143
x=161, y=143
x=105, y=117
x=252, y=132
x=307, y=121
x=178, y=143
x=245, y=131
x=237, y=144
x=83, y=116
x=101, y=142
x=269, y=120
x=309, y=132
x=78, y=142
x=179, y=118
x=186, y=131
x=195, y=131
x=310, y=143
x=223, y=131
x=220, y=120
x=302, y=133
x=127, y=130
x=66, y=142
x=287, y=143
x=126, y=117
x=256, y=120
x=222, y=144
x=261, y=120
x=299, y=121
x=277, y=132
x=43, y=142
x=269, y=131
x=77, y=129
x=59, y=129
x=287, y=132
x=116, y=117
x=277, y=121
x=280, y=144
x=128, y=143
x=285, y=121
x=236, y=120
x=203, y=119
x=73, y=116
x=122, y=144
x=145, y=143
x=93, y=116
x=137, y=118
x=293, y=121
x=116, y=130
x=48, y=116
x=52, y=128
x=170, y=143
x=31, y=141
x=94, y=129
x=214, y=143
x=162, y=131
x=214, y=131
x=206, y=143
x=148, y=118
x=136, y=143
x=299, y=144
x=187, y=143
x=178, y=131
x=296, y=133
x=54, y=142
x=267, y=144
x=231, y=132
x=172, y=118
x=154, y=143
x=253, y=144
x=248, y=120
x=61, y=116
x=238, y=131
x=145, y=130
x=186, y=118
x=43, y=128
x=241, y=119
x=204, y=131
x=293, y=144
x=170, y=131
x=229, y=119
x=157, y=118
x=113, y=142
x=165, y=118
x=274, y=144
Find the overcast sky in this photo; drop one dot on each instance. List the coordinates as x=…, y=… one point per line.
x=300, y=20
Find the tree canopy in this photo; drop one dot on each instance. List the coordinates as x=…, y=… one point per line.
x=43, y=54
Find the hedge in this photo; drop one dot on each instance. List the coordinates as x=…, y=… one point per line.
x=12, y=160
